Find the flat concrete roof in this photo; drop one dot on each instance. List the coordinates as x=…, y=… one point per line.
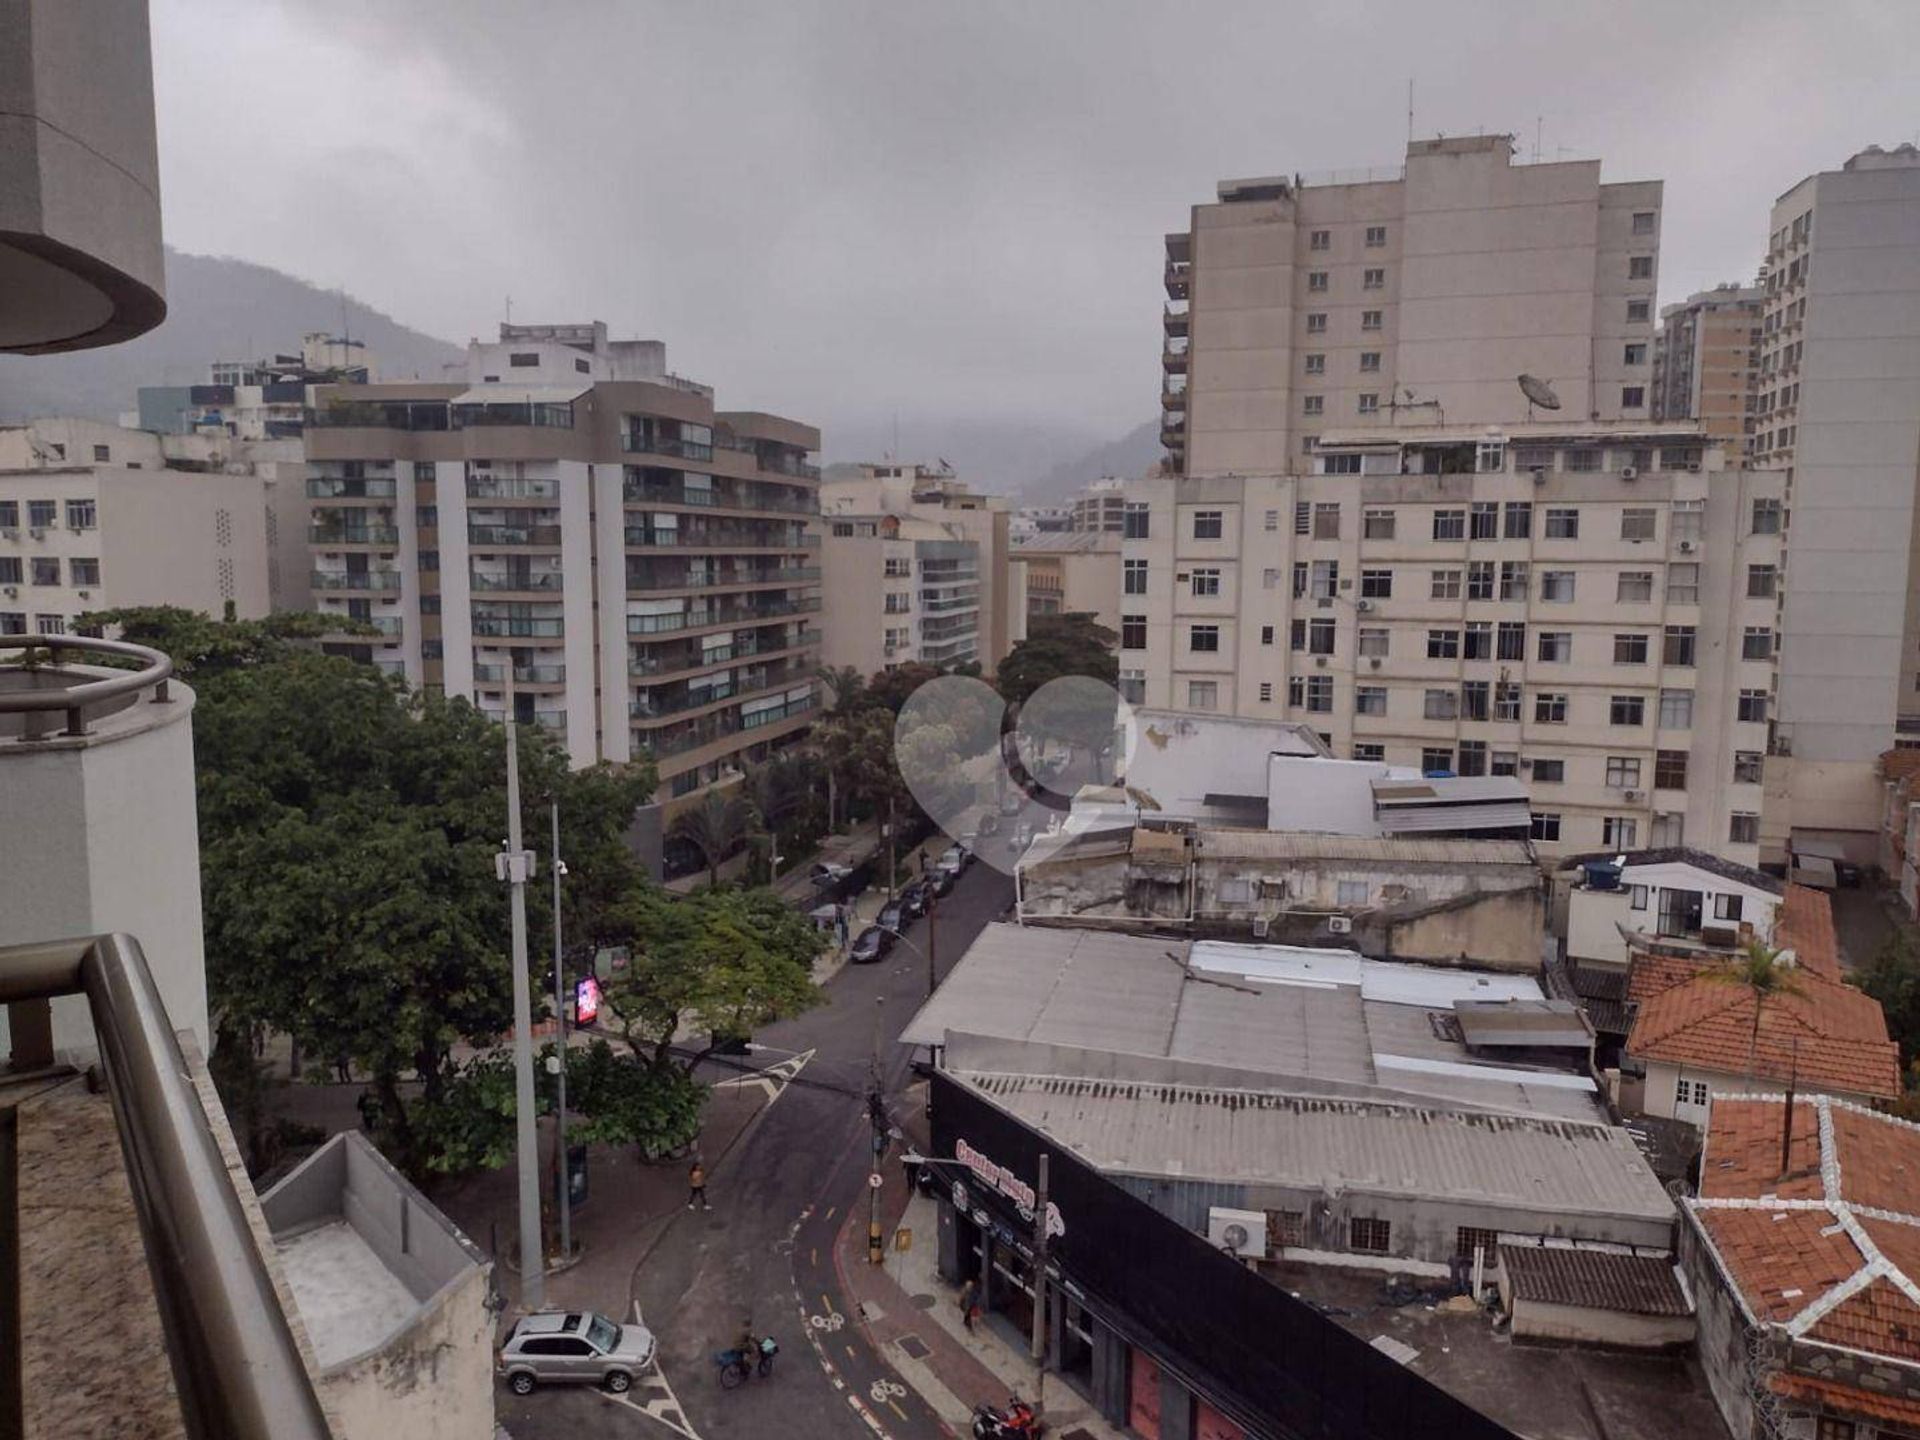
x=348, y=1299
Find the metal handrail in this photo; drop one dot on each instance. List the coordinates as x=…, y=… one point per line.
x=74, y=699
x=236, y=1366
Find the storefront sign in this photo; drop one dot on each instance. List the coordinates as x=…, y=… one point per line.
x=998, y=1177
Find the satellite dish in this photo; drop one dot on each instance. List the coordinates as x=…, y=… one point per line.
x=1539, y=392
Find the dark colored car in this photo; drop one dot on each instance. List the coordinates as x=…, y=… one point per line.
x=893, y=916
x=941, y=881
x=915, y=899
x=871, y=947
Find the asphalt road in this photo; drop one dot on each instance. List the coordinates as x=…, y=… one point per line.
x=766, y=1250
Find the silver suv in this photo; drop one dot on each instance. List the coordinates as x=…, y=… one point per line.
x=578, y=1346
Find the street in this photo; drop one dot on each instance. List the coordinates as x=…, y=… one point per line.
x=766, y=1250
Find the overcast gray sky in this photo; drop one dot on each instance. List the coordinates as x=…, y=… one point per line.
x=952, y=212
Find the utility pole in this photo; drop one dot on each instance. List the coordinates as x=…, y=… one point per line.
x=892, y=868
x=877, y=1117
x=516, y=867
x=560, y=1054
x=1040, y=1280
x=933, y=915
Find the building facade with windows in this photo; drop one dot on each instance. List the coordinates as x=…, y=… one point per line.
x=578, y=534
x=263, y=399
x=1587, y=606
x=1706, y=360
x=1412, y=295
x=94, y=517
x=1101, y=505
x=1077, y=573
x=1839, y=414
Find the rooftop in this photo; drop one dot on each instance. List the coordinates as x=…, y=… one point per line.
x=1680, y=855
x=1597, y=1279
x=1185, y=764
x=1068, y=542
x=1299, y=845
x=1804, y=925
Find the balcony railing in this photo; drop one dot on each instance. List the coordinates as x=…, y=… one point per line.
x=730, y=497
x=375, y=581
x=354, y=535
x=388, y=625
x=640, y=443
x=725, y=615
x=334, y=487
x=513, y=535
x=700, y=580
x=710, y=728
x=510, y=487
x=510, y=627
x=522, y=674
x=719, y=537
x=545, y=580
x=645, y=662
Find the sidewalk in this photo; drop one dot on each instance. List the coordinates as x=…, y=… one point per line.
x=912, y=1317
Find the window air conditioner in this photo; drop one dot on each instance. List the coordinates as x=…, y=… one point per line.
x=1627, y=472
x=1339, y=925
x=10, y=532
x=1539, y=475
x=10, y=591
x=1630, y=796
x=37, y=533
x=1363, y=607
x=1241, y=1233
x=1373, y=662
x=1320, y=662
x=1686, y=547
x=1693, y=469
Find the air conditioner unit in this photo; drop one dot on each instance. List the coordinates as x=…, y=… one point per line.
x=10, y=532
x=1325, y=602
x=1241, y=1233
x=1363, y=607
x=1260, y=927
x=37, y=533
x=10, y=591
x=1686, y=547
x=1693, y=469
x=1539, y=476
x=1630, y=796
x=1339, y=925
x=85, y=594
x=1320, y=662
x=1627, y=472
x=1373, y=662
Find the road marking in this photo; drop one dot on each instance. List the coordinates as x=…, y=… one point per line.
x=883, y=1391
x=895, y=1407
x=664, y=1409
x=772, y=1081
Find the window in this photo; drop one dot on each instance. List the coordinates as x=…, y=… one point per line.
x=1743, y=828
x=1550, y=708
x=1340, y=465
x=1513, y=579
x=1683, y=584
x=1756, y=643
x=429, y=560
x=1634, y=585
x=1369, y=362
x=1747, y=766
x=1313, y=404
x=1546, y=825
x=1133, y=632
x=1443, y=644
x=1629, y=649
x=1266, y=634
x=1767, y=517
x=1670, y=769
x=1555, y=646
x=1133, y=521
x=1205, y=582
x=1504, y=762
x=1636, y=523
x=1562, y=524
x=1446, y=585
x=1678, y=646
x=1204, y=639
x=1370, y=320
x=1512, y=641
x=1320, y=693
x=1376, y=236
x=523, y=359
x=1442, y=705
x=1373, y=279
x=1376, y=525
x=1326, y=579
x=45, y=571
x=1623, y=772
x=50, y=624
x=1639, y=311
x=1637, y=897
x=84, y=572
x=1326, y=521
x=40, y=514
x=1352, y=893
x=1762, y=582
x=1643, y=222
x=1368, y=1234
x=9, y=569
x=1320, y=633
x=1633, y=397
x=1373, y=643
x=1556, y=585
x=1368, y=403
x=1435, y=760
x=1299, y=578
x=1676, y=709
x=1317, y=323
x=1317, y=281
x=1133, y=686
x=1634, y=354
x=1478, y=641
x=1203, y=694
x=1692, y=1092
x=1475, y=698
x=9, y=514
x=1627, y=710
x=1133, y=577
x=1369, y=751
x=1449, y=524
x=1640, y=267
x=1316, y=364
x=1320, y=240
x=1480, y=580
x=1619, y=832
x=1271, y=521
x=1484, y=520
x=1585, y=461
x=1829, y=1427
x=1550, y=772
x=1506, y=701
x=80, y=514
x=1208, y=524
x=1369, y=699
x=1753, y=706
x=1266, y=691
x=12, y=622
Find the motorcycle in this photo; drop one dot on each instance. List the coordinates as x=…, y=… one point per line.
x=1016, y=1422
x=736, y=1365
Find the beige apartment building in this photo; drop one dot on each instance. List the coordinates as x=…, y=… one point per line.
x=1706, y=361
x=577, y=532
x=1410, y=297
x=1077, y=572
x=1101, y=505
x=96, y=517
x=918, y=569
x=1588, y=606
x=1839, y=413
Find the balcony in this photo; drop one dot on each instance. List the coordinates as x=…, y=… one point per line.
x=1175, y=318
x=387, y=625
x=542, y=582
x=336, y=487
x=365, y=581
x=643, y=443
x=1179, y=275
x=490, y=536
x=641, y=580
x=689, y=658
x=724, y=495
x=1174, y=397
x=354, y=535
x=515, y=627
x=1173, y=355
x=718, y=615
x=720, y=537
x=709, y=728
x=509, y=487
x=522, y=674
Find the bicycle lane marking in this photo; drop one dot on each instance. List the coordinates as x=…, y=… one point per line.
x=664, y=1407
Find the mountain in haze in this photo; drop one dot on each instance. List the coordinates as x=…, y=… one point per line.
x=217, y=309
x=1034, y=462
x=1133, y=454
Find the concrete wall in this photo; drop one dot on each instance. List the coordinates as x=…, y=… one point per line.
x=1583, y=1325
x=1720, y=1327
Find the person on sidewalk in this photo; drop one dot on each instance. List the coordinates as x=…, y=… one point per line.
x=969, y=1302
x=697, y=1187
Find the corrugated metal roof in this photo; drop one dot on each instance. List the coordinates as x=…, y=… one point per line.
x=1297, y=845
x=1448, y=790
x=1594, y=1279
x=1522, y=1023
x=1412, y=820
x=1202, y=1133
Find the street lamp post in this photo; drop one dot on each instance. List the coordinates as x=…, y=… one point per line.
x=515, y=867
x=565, y=1199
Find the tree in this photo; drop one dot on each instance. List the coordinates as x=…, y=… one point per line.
x=1056, y=645
x=200, y=645
x=848, y=686
x=1893, y=978
x=1766, y=974
x=716, y=827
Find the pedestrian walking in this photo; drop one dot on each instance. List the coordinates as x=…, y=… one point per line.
x=697, y=1187
x=841, y=918
x=969, y=1302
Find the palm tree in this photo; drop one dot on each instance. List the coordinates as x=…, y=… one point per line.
x=716, y=827
x=1767, y=974
x=849, y=688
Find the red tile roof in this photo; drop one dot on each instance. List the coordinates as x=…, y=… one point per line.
x=1741, y=1157
x=1782, y=1260
x=1804, y=925
x=1650, y=974
x=1827, y=1034
x=1848, y=1399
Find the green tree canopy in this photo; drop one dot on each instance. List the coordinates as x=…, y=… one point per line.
x=1070, y=644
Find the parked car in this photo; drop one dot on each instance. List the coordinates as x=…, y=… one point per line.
x=893, y=916
x=940, y=880
x=916, y=898
x=956, y=858
x=871, y=946
x=575, y=1347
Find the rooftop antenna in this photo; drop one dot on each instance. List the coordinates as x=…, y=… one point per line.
x=509, y=309
x=1537, y=122
x=1409, y=111
x=1538, y=392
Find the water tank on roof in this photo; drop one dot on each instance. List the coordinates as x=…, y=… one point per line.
x=1602, y=875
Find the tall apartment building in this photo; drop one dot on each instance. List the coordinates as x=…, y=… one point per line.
x=1706, y=360
x=918, y=568
x=1839, y=412
x=95, y=517
x=1077, y=573
x=1101, y=505
x=256, y=399
x=1588, y=606
x=1298, y=308
x=581, y=529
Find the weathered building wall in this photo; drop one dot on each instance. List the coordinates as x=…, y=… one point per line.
x=1581, y=1325
x=1720, y=1329
x=433, y=1382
